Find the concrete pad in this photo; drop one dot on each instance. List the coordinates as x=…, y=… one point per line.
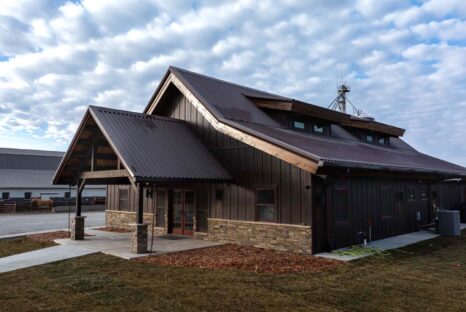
x=118, y=244
x=383, y=245
x=41, y=256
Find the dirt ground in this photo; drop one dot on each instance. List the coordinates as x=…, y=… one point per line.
x=49, y=237
x=250, y=259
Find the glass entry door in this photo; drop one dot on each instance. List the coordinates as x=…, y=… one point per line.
x=183, y=207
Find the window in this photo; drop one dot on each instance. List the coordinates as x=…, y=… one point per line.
x=67, y=195
x=386, y=201
x=411, y=194
x=219, y=195
x=299, y=125
x=319, y=129
x=123, y=199
x=27, y=195
x=202, y=209
x=265, y=205
x=341, y=206
x=369, y=138
x=6, y=195
x=160, y=207
x=383, y=140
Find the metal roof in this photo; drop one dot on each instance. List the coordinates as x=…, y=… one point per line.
x=226, y=100
x=17, y=178
x=31, y=179
x=154, y=148
x=29, y=159
x=331, y=151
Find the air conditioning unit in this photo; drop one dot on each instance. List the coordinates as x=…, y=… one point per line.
x=449, y=222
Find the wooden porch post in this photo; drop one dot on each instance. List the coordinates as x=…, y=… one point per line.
x=78, y=199
x=140, y=211
x=139, y=233
x=77, y=224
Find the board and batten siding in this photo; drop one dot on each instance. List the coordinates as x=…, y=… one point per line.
x=249, y=167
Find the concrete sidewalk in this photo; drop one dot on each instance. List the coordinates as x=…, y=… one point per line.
x=119, y=244
x=382, y=245
x=42, y=256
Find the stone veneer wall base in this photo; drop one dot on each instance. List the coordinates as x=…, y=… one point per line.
x=124, y=219
x=283, y=237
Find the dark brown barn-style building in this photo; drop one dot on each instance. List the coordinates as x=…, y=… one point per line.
x=229, y=163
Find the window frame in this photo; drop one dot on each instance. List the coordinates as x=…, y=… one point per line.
x=342, y=186
x=323, y=132
x=27, y=195
x=272, y=188
x=300, y=121
x=126, y=189
x=158, y=208
x=5, y=195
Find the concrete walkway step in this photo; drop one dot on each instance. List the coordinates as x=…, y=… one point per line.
x=42, y=256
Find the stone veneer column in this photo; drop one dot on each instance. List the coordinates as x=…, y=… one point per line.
x=77, y=228
x=139, y=238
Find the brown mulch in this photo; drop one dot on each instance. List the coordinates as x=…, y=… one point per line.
x=251, y=259
x=113, y=229
x=49, y=237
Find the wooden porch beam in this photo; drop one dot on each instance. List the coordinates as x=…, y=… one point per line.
x=104, y=174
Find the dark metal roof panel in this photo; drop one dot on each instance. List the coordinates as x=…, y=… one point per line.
x=350, y=153
x=28, y=161
x=227, y=100
x=157, y=148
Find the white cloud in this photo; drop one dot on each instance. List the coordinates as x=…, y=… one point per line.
x=406, y=62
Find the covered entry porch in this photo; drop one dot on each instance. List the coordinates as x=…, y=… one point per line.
x=143, y=153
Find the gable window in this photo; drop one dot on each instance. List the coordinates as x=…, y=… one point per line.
x=319, y=129
x=299, y=125
x=27, y=195
x=266, y=207
x=123, y=198
x=6, y=195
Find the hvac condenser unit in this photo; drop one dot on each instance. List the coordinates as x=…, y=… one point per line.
x=449, y=222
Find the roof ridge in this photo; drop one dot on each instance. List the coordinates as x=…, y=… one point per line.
x=227, y=82
x=134, y=114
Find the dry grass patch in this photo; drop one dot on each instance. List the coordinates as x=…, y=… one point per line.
x=244, y=258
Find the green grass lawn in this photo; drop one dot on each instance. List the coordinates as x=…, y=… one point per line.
x=430, y=276
x=12, y=246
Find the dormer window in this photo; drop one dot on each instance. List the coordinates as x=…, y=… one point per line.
x=383, y=140
x=319, y=129
x=300, y=125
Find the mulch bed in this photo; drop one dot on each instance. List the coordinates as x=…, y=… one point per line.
x=49, y=237
x=251, y=259
x=113, y=229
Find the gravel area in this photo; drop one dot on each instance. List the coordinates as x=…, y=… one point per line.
x=251, y=259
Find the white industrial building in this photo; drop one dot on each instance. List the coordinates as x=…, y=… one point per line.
x=27, y=174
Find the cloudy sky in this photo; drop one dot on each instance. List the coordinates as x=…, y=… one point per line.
x=405, y=60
